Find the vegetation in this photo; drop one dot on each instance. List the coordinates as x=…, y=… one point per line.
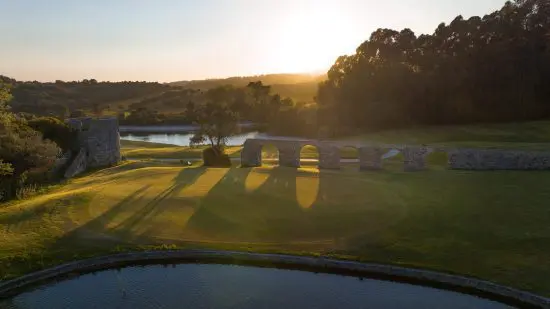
x=489, y=69
x=25, y=157
x=140, y=102
x=298, y=87
x=60, y=98
x=479, y=224
x=56, y=131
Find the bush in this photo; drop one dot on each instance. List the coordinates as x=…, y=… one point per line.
x=25, y=157
x=215, y=157
x=56, y=131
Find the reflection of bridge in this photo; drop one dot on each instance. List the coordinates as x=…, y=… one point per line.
x=414, y=157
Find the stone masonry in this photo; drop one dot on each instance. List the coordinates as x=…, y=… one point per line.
x=99, y=143
x=370, y=156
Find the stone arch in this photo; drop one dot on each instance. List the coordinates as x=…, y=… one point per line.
x=348, y=155
x=269, y=154
x=309, y=155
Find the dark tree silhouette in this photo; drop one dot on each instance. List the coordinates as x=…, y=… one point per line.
x=484, y=69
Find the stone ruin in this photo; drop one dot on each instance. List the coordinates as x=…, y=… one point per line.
x=98, y=141
x=414, y=157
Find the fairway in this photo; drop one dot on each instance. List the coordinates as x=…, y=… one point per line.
x=491, y=225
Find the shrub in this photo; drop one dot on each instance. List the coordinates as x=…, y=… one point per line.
x=56, y=131
x=26, y=157
x=215, y=157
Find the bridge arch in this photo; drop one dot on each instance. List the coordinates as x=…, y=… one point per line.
x=269, y=154
x=309, y=155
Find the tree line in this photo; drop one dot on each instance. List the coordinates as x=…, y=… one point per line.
x=29, y=148
x=494, y=68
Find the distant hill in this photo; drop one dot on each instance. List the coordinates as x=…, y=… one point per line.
x=60, y=97
x=299, y=87
x=241, y=81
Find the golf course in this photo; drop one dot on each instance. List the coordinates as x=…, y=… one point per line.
x=488, y=225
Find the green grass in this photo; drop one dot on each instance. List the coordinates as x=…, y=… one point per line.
x=490, y=225
x=140, y=150
x=526, y=135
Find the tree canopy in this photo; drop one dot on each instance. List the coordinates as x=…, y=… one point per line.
x=483, y=69
x=24, y=156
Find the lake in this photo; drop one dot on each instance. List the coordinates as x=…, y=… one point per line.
x=232, y=286
x=182, y=139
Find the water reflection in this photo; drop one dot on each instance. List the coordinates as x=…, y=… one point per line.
x=228, y=286
x=182, y=139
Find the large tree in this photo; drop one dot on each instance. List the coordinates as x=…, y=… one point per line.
x=216, y=121
x=491, y=68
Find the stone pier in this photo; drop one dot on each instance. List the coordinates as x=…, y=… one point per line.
x=370, y=156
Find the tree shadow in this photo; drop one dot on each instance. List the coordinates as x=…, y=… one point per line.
x=98, y=230
x=185, y=178
x=231, y=212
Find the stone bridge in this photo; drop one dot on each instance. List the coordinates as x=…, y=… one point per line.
x=414, y=157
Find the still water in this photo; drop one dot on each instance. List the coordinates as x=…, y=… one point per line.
x=230, y=286
x=182, y=139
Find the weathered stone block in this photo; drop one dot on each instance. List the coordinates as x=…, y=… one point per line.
x=329, y=157
x=492, y=159
x=251, y=155
x=370, y=158
x=100, y=140
x=289, y=154
x=414, y=158
x=78, y=165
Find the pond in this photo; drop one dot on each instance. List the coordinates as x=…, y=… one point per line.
x=182, y=139
x=232, y=286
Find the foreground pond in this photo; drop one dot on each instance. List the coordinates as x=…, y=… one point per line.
x=230, y=286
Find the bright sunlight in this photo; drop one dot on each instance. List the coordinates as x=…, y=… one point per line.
x=309, y=41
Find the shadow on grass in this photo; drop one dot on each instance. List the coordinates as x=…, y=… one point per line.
x=97, y=230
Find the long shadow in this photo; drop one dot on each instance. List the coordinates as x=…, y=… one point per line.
x=186, y=177
x=231, y=213
x=100, y=222
x=97, y=227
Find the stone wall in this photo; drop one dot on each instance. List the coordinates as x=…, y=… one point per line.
x=78, y=165
x=99, y=141
x=490, y=159
x=371, y=156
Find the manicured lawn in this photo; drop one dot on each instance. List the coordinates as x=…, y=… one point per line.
x=491, y=225
x=533, y=135
x=140, y=150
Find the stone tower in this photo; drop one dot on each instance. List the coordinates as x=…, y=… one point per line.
x=99, y=142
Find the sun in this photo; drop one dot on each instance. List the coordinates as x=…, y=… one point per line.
x=312, y=40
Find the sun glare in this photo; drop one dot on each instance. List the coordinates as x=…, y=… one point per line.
x=310, y=40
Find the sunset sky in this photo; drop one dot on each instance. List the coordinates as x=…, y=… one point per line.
x=170, y=40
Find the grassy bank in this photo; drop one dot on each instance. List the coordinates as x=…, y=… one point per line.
x=490, y=225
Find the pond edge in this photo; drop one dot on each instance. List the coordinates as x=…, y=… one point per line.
x=463, y=284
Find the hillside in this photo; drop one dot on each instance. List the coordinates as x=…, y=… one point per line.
x=241, y=81
x=298, y=87
x=59, y=98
